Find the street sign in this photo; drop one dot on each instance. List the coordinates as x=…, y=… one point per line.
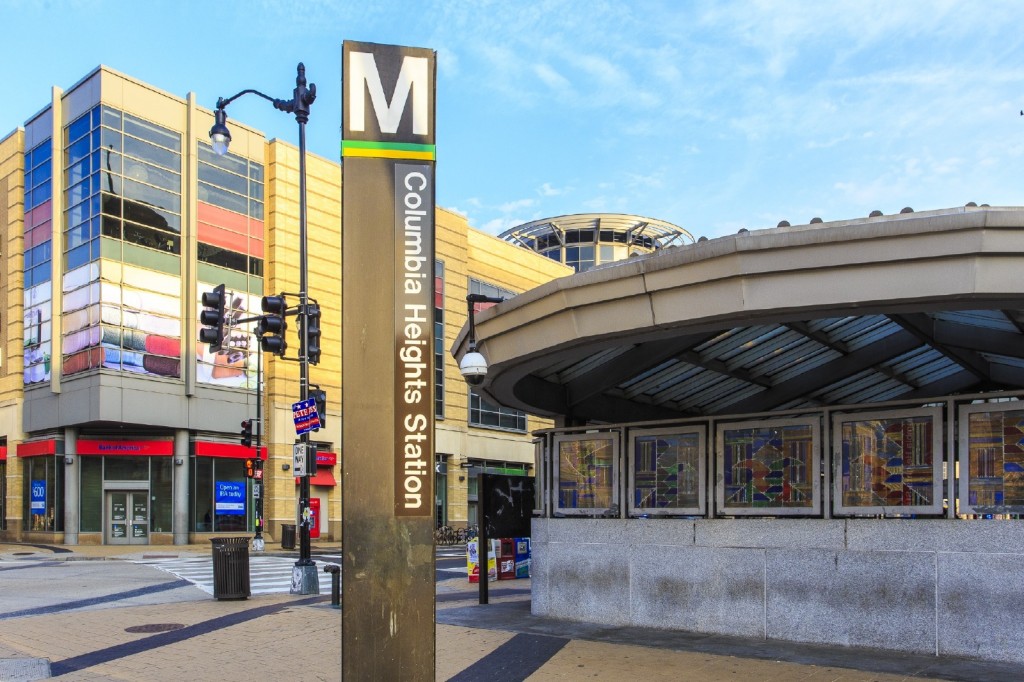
x=305, y=416
x=299, y=459
x=255, y=491
x=258, y=474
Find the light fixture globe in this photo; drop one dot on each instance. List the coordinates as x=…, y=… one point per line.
x=473, y=367
x=220, y=136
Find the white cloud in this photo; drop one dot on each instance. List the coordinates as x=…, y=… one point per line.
x=548, y=190
x=516, y=205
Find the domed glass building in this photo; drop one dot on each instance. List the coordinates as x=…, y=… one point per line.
x=586, y=240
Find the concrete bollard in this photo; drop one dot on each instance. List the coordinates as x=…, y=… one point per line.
x=335, y=572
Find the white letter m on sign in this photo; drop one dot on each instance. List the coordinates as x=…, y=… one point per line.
x=413, y=76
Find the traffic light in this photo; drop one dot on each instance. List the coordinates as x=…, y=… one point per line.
x=313, y=333
x=212, y=318
x=250, y=468
x=247, y=433
x=272, y=325
x=320, y=400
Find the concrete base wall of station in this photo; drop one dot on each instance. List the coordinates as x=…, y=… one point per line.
x=944, y=587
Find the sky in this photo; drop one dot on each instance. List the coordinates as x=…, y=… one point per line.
x=713, y=116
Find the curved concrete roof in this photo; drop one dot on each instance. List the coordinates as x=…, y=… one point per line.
x=909, y=305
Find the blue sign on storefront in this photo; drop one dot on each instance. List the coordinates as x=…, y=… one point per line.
x=229, y=498
x=37, y=503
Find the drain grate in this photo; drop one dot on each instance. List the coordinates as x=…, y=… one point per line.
x=154, y=627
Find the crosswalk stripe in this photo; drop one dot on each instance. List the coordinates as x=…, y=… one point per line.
x=267, y=574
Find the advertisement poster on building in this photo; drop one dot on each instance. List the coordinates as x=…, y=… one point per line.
x=37, y=503
x=230, y=498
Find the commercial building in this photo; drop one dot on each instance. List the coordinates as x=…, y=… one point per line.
x=116, y=425
x=808, y=433
x=587, y=240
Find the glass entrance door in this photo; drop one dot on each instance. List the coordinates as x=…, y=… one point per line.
x=127, y=517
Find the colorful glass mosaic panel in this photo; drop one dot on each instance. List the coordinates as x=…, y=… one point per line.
x=768, y=466
x=996, y=460
x=888, y=462
x=666, y=471
x=585, y=473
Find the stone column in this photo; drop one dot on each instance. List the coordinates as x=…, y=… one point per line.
x=72, y=486
x=179, y=512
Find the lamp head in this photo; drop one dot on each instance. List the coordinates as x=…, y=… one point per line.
x=220, y=136
x=473, y=367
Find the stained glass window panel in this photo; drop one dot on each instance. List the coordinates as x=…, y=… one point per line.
x=769, y=468
x=586, y=477
x=668, y=471
x=890, y=463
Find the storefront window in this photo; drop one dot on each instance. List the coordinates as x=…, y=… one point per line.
x=220, y=495
x=91, y=507
x=126, y=469
x=161, y=495
x=43, y=494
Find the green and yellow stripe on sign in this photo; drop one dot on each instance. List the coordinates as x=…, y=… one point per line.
x=388, y=150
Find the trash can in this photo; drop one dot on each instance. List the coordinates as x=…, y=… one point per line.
x=230, y=568
x=287, y=536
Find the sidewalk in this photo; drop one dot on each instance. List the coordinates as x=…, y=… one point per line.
x=190, y=636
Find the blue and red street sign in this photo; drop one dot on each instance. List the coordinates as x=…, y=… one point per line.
x=305, y=416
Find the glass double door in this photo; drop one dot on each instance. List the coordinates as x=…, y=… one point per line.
x=127, y=520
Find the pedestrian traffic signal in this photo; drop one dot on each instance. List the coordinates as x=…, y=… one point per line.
x=250, y=468
x=212, y=318
x=272, y=326
x=247, y=433
x=313, y=333
x=320, y=400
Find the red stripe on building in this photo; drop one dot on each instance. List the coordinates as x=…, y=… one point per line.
x=141, y=448
x=229, y=450
x=37, y=448
x=222, y=237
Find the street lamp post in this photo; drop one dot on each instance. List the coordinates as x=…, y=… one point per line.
x=304, y=576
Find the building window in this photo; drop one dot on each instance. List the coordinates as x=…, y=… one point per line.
x=439, y=339
x=482, y=412
x=38, y=262
x=218, y=484
x=230, y=251
x=43, y=493
x=123, y=198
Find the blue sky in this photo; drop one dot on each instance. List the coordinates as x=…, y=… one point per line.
x=711, y=115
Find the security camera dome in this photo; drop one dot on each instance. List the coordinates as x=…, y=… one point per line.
x=473, y=368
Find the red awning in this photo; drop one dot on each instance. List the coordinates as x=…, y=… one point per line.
x=321, y=477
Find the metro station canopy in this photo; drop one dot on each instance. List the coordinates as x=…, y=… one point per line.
x=906, y=306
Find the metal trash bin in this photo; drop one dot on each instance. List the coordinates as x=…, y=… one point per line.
x=230, y=568
x=287, y=536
